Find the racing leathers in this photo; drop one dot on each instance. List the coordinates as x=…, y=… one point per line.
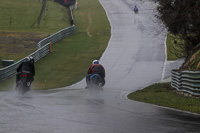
x=96, y=69
x=28, y=67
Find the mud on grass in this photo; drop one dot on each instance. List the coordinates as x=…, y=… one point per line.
x=17, y=45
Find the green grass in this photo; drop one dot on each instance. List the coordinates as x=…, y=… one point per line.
x=19, y=16
x=17, y=38
x=170, y=44
x=163, y=95
x=16, y=45
x=71, y=57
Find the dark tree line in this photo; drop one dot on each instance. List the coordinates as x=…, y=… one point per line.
x=182, y=18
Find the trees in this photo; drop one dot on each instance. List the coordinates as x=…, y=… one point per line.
x=182, y=18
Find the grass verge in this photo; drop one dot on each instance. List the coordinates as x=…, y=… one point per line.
x=171, y=46
x=163, y=95
x=20, y=15
x=17, y=38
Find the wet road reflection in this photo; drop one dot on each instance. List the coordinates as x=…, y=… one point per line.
x=74, y=110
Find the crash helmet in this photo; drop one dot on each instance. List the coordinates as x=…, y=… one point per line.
x=30, y=58
x=95, y=62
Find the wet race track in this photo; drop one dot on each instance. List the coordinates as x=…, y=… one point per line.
x=134, y=58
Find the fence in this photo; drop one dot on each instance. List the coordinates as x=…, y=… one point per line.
x=43, y=49
x=186, y=81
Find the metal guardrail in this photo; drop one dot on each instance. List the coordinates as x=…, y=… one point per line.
x=43, y=49
x=57, y=36
x=186, y=81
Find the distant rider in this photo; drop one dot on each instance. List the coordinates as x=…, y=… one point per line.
x=135, y=8
x=28, y=66
x=95, y=68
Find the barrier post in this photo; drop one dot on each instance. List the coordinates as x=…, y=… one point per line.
x=50, y=47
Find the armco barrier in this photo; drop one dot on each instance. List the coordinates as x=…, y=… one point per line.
x=43, y=49
x=57, y=36
x=186, y=81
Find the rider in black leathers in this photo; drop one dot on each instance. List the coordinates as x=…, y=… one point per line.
x=27, y=65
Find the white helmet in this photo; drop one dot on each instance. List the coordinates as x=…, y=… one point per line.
x=95, y=62
x=29, y=58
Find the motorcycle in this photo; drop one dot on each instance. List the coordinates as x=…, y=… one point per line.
x=135, y=9
x=95, y=84
x=24, y=84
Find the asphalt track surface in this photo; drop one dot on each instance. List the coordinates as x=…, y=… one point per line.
x=134, y=59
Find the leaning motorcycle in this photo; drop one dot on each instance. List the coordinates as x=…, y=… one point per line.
x=24, y=84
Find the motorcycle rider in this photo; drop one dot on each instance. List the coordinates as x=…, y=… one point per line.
x=95, y=68
x=135, y=8
x=28, y=66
